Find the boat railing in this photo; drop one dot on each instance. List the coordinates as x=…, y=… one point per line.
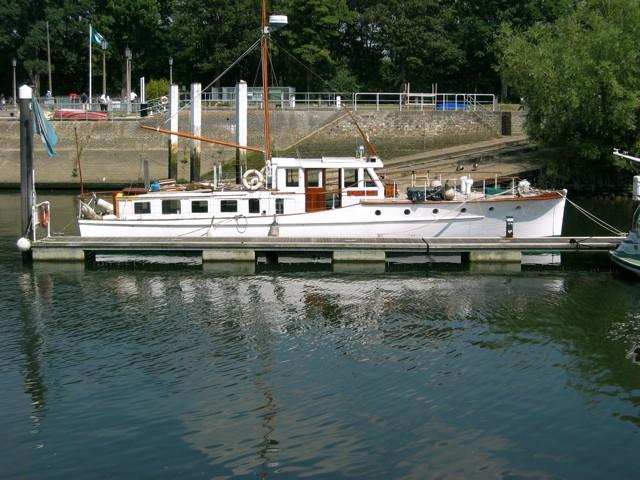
x=425, y=101
x=286, y=98
x=493, y=183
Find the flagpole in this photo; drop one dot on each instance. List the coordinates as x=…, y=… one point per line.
x=49, y=60
x=90, y=92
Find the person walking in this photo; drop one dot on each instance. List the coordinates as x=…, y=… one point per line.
x=84, y=99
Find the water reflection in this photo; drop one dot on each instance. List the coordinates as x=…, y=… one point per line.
x=36, y=297
x=338, y=375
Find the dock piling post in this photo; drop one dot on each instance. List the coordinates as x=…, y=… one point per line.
x=25, y=94
x=173, y=139
x=241, y=127
x=196, y=129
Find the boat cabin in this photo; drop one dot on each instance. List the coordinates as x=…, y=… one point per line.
x=328, y=182
x=293, y=186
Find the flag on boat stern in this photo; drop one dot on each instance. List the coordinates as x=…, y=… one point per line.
x=44, y=128
x=98, y=39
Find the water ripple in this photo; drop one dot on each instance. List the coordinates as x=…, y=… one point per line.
x=185, y=373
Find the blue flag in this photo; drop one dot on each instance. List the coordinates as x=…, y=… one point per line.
x=98, y=39
x=44, y=128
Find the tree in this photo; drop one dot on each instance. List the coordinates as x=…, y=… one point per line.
x=476, y=30
x=313, y=37
x=419, y=47
x=206, y=37
x=580, y=78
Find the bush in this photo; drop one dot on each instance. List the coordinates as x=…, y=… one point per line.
x=157, y=88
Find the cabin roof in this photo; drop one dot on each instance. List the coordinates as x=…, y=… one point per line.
x=327, y=162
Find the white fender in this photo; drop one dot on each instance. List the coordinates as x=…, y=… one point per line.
x=252, y=179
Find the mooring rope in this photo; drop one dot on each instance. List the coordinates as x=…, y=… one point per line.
x=596, y=220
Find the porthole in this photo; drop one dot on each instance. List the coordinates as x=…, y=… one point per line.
x=518, y=207
x=491, y=209
x=436, y=211
x=407, y=211
x=463, y=209
x=378, y=212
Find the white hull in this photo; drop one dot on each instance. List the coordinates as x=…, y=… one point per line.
x=627, y=255
x=532, y=217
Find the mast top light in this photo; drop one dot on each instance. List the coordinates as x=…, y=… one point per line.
x=277, y=21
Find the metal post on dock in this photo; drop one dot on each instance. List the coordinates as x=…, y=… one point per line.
x=174, y=102
x=145, y=169
x=196, y=130
x=25, y=94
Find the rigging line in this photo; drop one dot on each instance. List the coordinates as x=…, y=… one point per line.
x=255, y=78
x=595, y=219
x=306, y=67
x=255, y=44
x=273, y=72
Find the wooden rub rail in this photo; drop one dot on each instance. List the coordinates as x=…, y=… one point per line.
x=341, y=249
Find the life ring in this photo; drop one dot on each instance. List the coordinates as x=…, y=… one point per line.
x=43, y=215
x=252, y=179
x=164, y=100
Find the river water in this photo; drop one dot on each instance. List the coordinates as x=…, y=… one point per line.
x=182, y=372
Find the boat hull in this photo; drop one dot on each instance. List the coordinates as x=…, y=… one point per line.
x=535, y=216
x=627, y=255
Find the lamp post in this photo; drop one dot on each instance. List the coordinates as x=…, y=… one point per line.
x=127, y=54
x=170, y=71
x=14, y=62
x=104, y=68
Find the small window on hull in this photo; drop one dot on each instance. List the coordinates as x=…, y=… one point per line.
x=313, y=177
x=292, y=177
x=170, y=207
x=228, y=205
x=279, y=206
x=199, y=206
x=254, y=205
x=141, y=208
x=350, y=177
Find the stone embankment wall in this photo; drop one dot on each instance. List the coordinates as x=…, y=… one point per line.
x=112, y=152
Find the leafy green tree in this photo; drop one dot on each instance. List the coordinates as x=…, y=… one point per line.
x=313, y=36
x=476, y=31
x=206, y=37
x=580, y=78
x=421, y=48
x=157, y=88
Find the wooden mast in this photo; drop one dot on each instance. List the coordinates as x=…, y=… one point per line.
x=265, y=83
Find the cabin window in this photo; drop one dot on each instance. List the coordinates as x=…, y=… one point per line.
x=254, y=205
x=170, y=207
x=292, y=177
x=350, y=177
x=313, y=178
x=279, y=206
x=368, y=181
x=140, y=208
x=199, y=206
x=228, y=205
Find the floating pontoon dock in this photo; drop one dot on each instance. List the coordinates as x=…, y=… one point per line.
x=495, y=250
